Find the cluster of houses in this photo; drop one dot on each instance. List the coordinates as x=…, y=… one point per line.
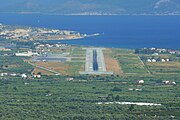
x=24, y=76
x=168, y=82
x=49, y=47
x=8, y=74
x=53, y=45
x=133, y=89
x=155, y=60
x=165, y=82
x=15, y=34
x=27, y=54
x=28, y=33
x=162, y=50
x=2, y=48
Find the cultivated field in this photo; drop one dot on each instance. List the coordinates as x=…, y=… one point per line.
x=130, y=63
x=164, y=67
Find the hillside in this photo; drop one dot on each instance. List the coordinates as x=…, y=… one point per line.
x=87, y=7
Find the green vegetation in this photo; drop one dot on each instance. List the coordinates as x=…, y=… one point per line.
x=75, y=97
x=78, y=52
x=75, y=67
x=164, y=68
x=14, y=64
x=55, y=98
x=131, y=63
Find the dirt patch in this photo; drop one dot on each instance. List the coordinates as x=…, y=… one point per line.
x=43, y=72
x=111, y=63
x=56, y=66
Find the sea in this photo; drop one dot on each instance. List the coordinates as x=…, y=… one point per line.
x=115, y=31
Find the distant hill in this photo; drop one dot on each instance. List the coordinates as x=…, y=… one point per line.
x=91, y=7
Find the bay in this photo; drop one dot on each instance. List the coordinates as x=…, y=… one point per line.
x=116, y=31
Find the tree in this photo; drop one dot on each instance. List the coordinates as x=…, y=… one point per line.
x=131, y=108
x=117, y=98
x=116, y=89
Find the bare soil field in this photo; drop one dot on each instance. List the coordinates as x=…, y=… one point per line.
x=43, y=72
x=56, y=66
x=111, y=63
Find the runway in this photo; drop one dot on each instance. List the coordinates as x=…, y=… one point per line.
x=95, y=63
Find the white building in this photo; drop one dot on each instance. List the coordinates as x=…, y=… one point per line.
x=154, y=60
x=149, y=60
x=140, y=81
x=37, y=76
x=167, y=82
x=4, y=74
x=163, y=60
x=69, y=79
x=26, y=54
x=155, y=54
x=13, y=74
x=24, y=76
x=174, y=83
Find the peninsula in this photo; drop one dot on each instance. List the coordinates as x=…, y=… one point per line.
x=21, y=33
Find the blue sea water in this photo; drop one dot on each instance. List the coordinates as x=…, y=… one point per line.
x=117, y=31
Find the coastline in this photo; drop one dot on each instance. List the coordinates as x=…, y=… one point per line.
x=90, y=14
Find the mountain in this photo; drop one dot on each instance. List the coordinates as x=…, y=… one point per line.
x=88, y=7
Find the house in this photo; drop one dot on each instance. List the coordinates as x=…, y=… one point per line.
x=152, y=48
x=155, y=54
x=138, y=89
x=13, y=74
x=57, y=74
x=26, y=83
x=140, y=81
x=103, y=97
x=4, y=49
x=24, y=76
x=37, y=76
x=49, y=94
x=154, y=60
x=149, y=60
x=69, y=79
x=174, y=83
x=4, y=74
x=130, y=89
x=168, y=82
x=163, y=60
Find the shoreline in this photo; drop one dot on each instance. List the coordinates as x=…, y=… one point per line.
x=82, y=14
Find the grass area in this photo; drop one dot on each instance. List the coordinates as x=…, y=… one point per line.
x=78, y=59
x=122, y=51
x=78, y=52
x=75, y=67
x=131, y=63
x=164, y=67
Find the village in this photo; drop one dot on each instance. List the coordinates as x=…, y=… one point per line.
x=22, y=33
